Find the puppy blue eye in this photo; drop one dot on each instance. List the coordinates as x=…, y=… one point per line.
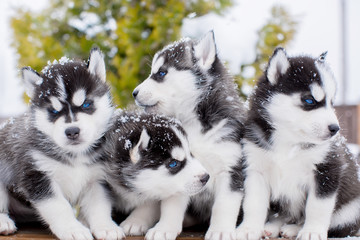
x=162, y=73
x=54, y=111
x=86, y=105
x=173, y=164
x=309, y=101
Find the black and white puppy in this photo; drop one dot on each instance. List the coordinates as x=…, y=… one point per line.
x=295, y=158
x=149, y=160
x=48, y=156
x=188, y=81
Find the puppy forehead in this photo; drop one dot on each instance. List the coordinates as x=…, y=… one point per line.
x=79, y=97
x=56, y=104
x=178, y=153
x=157, y=63
x=317, y=92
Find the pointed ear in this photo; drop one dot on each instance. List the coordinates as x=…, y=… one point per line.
x=31, y=79
x=142, y=144
x=96, y=64
x=205, y=50
x=278, y=65
x=322, y=57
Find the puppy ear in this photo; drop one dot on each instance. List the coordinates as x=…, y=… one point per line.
x=278, y=65
x=205, y=51
x=96, y=64
x=31, y=79
x=141, y=145
x=322, y=57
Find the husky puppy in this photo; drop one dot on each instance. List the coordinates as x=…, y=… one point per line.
x=48, y=155
x=295, y=157
x=189, y=82
x=150, y=161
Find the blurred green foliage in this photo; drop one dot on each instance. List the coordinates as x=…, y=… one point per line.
x=129, y=32
x=278, y=31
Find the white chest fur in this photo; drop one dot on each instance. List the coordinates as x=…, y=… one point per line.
x=71, y=179
x=288, y=168
x=214, y=153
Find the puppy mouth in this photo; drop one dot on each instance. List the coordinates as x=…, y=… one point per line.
x=74, y=142
x=147, y=107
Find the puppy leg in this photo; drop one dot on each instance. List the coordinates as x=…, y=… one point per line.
x=141, y=219
x=7, y=225
x=95, y=208
x=256, y=204
x=225, y=210
x=318, y=213
x=57, y=212
x=171, y=219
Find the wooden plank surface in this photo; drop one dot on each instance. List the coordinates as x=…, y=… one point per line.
x=40, y=233
x=36, y=232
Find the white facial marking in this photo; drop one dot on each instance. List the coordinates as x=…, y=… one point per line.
x=79, y=97
x=157, y=63
x=317, y=92
x=61, y=87
x=178, y=154
x=56, y=104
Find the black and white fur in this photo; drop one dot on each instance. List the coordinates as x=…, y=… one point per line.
x=150, y=161
x=48, y=156
x=189, y=82
x=297, y=163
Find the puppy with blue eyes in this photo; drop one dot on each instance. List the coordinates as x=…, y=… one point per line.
x=297, y=163
x=49, y=157
x=149, y=161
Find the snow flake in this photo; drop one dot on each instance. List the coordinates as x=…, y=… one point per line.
x=127, y=144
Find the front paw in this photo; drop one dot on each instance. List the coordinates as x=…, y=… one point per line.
x=290, y=230
x=220, y=235
x=134, y=227
x=248, y=233
x=73, y=232
x=272, y=230
x=310, y=234
x=108, y=232
x=7, y=225
x=162, y=233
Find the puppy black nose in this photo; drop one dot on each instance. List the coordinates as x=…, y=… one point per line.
x=72, y=133
x=135, y=93
x=204, y=178
x=333, y=128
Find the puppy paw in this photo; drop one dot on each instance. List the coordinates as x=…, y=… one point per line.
x=248, y=233
x=7, y=225
x=134, y=227
x=220, y=235
x=272, y=230
x=290, y=230
x=72, y=232
x=109, y=232
x=162, y=233
x=312, y=234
